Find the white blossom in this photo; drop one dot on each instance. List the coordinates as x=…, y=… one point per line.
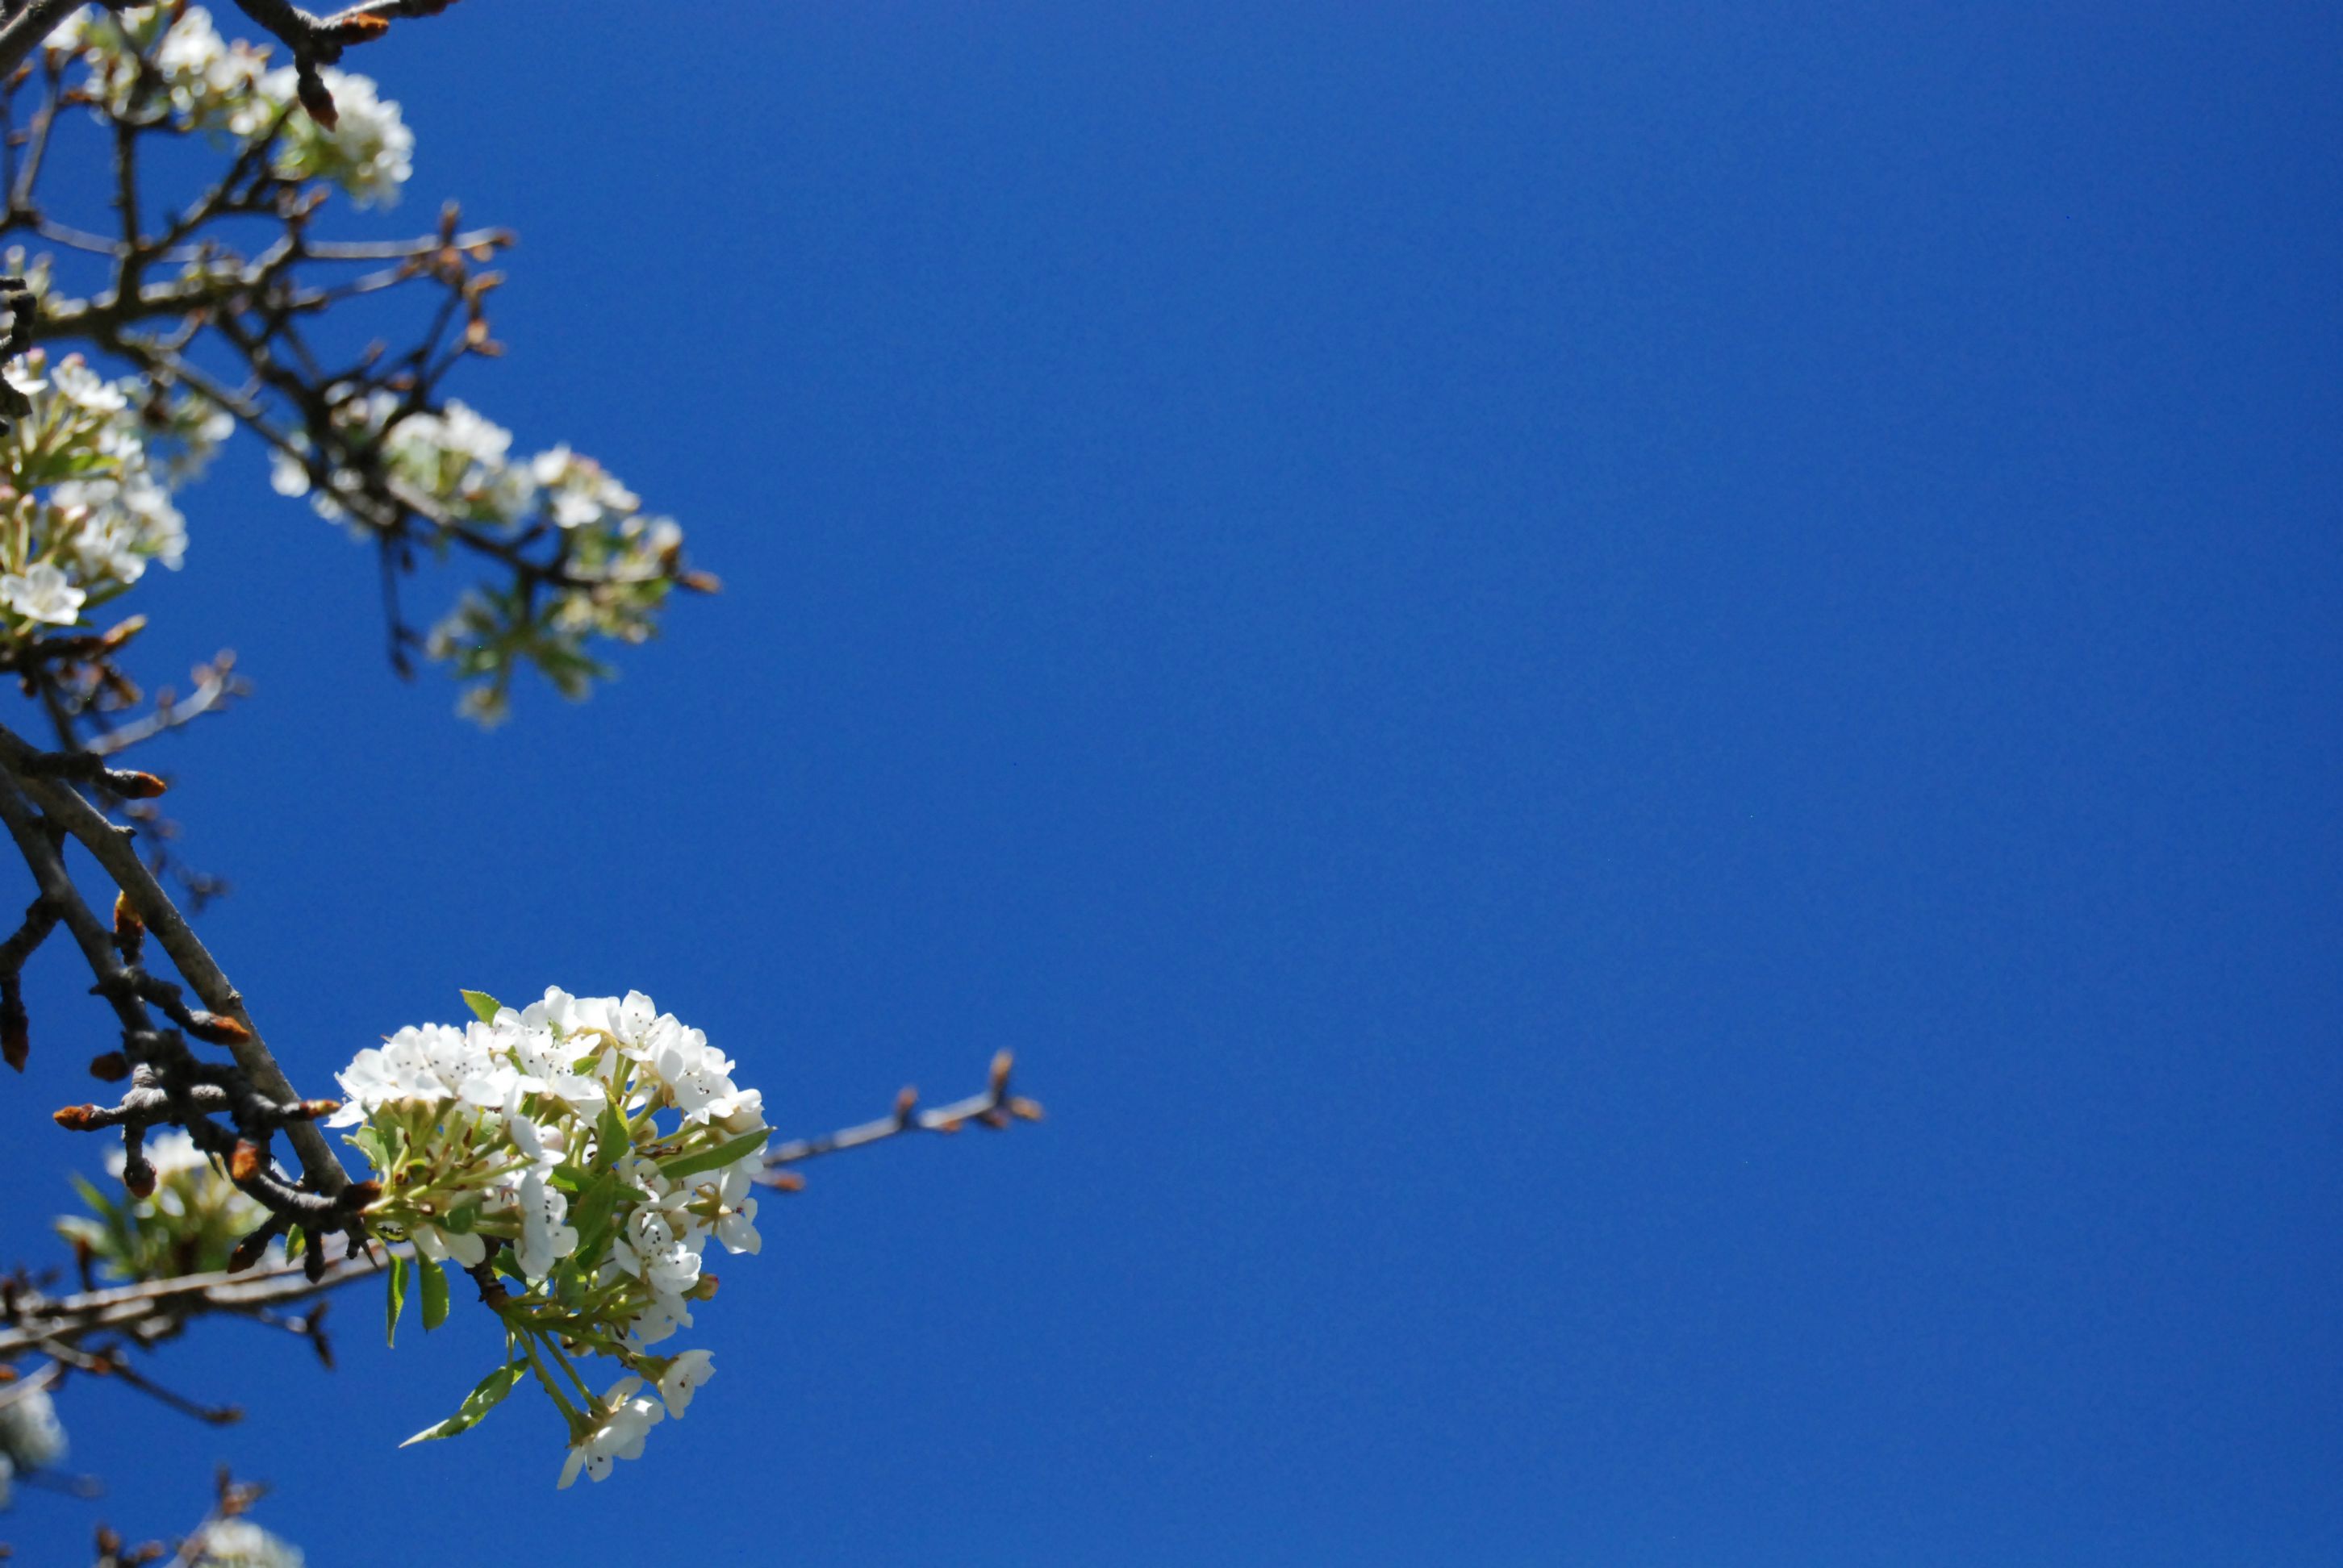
x=31, y=1435
x=240, y=1543
x=627, y=1415
x=42, y=593
x=685, y=1375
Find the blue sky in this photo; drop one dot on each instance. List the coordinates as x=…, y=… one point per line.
x=1633, y=711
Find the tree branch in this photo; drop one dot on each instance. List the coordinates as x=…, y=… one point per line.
x=995, y=1107
x=156, y=1310
x=111, y=847
x=36, y=22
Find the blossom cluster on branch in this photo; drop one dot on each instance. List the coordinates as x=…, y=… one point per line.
x=585, y=1149
x=215, y=303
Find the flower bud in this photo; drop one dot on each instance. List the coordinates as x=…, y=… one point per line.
x=138, y=1177
x=132, y=785
x=315, y=97
x=109, y=1066
x=248, y=1250
x=244, y=1165
x=79, y=1118
x=129, y=930
x=218, y=1029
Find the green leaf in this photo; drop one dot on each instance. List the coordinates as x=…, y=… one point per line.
x=714, y=1159
x=591, y=1214
x=462, y=1219
x=435, y=1294
x=484, y=1398
x=610, y=1136
x=369, y=1142
x=484, y=1005
x=398, y=1303
x=93, y=1197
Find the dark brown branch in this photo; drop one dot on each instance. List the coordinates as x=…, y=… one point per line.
x=36, y=22
x=111, y=847
x=155, y=1309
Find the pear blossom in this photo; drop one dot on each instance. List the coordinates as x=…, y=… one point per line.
x=627, y=1415
x=31, y=1435
x=42, y=593
x=240, y=1543
x=685, y=1375
x=591, y=1148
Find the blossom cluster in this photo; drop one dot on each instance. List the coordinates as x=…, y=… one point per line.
x=85, y=484
x=239, y=1542
x=31, y=1435
x=586, y=1149
x=188, y=1222
x=614, y=566
x=149, y=60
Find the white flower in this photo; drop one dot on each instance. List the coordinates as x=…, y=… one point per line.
x=545, y=1237
x=241, y=1544
x=684, y=1376
x=659, y=1318
x=366, y=150
x=85, y=389
x=436, y=1245
x=627, y=1416
x=30, y=1433
x=289, y=474
x=735, y=1230
x=43, y=593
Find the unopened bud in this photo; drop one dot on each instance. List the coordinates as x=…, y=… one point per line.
x=109, y=1066
x=218, y=1029
x=79, y=1118
x=128, y=926
x=783, y=1181
x=244, y=1165
x=132, y=785
x=138, y=1177
x=1024, y=1110
x=248, y=1250
x=359, y=1195
x=705, y=1290
x=358, y=28
x=311, y=1109
x=1001, y=1062
x=315, y=97
x=697, y=581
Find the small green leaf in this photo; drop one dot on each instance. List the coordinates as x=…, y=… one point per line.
x=369, y=1142
x=591, y=1214
x=714, y=1159
x=610, y=1136
x=462, y=1219
x=93, y=1197
x=435, y=1294
x=481, y=1003
x=484, y=1398
x=397, y=1302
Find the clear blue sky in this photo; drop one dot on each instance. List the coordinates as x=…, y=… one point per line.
x=1634, y=710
